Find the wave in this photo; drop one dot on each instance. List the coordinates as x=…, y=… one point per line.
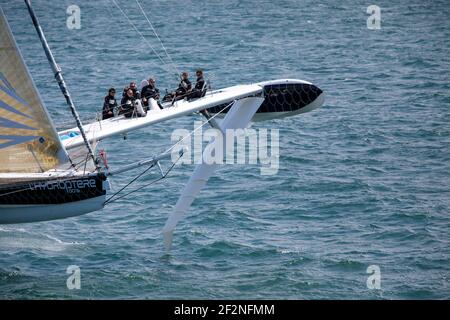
x=23, y=239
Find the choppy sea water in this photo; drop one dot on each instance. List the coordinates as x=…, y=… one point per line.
x=362, y=181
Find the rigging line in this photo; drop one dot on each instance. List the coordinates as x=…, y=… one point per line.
x=94, y=144
x=199, y=127
x=140, y=33
x=92, y=128
x=129, y=183
x=58, y=76
x=73, y=165
x=30, y=148
x=15, y=191
x=85, y=165
x=78, y=164
x=132, y=191
x=144, y=186
x=156, y=34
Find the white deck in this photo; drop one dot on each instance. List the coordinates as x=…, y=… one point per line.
x=113, y=126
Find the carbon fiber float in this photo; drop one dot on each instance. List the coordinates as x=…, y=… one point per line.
x=284, y=98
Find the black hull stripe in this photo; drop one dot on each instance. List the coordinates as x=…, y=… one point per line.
x=56, y=191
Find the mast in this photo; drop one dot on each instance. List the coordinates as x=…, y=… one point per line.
x=59, y=78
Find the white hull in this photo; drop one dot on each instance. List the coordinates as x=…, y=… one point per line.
x=33, y=213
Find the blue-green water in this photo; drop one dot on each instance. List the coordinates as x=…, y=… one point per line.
x=363, y=181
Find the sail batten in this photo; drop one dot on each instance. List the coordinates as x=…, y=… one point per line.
x=29, y=142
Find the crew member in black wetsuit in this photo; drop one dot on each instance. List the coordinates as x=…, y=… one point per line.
x=150, y=91
x=200, y=80
x=182, y=91
x=132, y=86
x=130, y=106
x=199, y=85
x=127, y=104
x=185, y=85
x=109, y=104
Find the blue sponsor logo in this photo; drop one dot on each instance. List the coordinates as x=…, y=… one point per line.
x=8, y=93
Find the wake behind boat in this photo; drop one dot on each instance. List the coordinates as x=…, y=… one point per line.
x=46, y=175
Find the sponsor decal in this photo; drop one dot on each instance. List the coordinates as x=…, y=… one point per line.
x=69, y=186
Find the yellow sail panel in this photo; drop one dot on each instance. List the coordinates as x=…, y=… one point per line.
x=28, y=139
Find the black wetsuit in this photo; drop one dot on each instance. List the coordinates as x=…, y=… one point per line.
x=136, y=93
x=184, y=87
x=198, y=89
x=109, y=104
x=200, y=83
x=127, y=106
x=149, y=91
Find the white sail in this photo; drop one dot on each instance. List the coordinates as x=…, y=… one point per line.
x=29, y=142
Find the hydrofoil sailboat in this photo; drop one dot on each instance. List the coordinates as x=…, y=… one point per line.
x=47, y=175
